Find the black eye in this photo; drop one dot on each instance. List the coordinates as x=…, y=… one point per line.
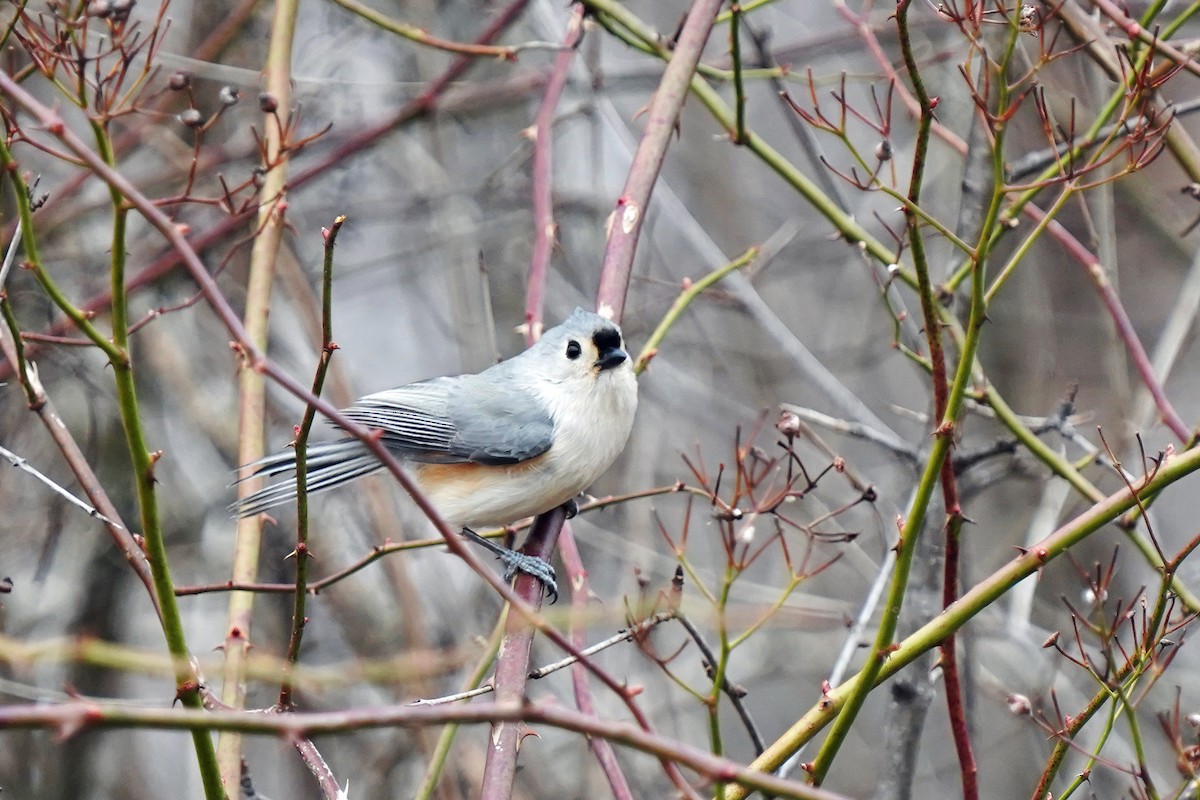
x=573, y=350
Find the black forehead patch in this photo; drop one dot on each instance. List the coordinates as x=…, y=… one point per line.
x=606, y=339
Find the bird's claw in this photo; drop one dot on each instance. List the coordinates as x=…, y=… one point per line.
x=533, y=566
x=514, y=562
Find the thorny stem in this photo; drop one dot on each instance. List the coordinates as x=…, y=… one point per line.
x=301, y=553
x=1064, y=469
x=629, y=213
x=78, y=715
x=542, y=133
x=973, y=601
x=946, y=414
x=956, y=706
x=187, y=681
x=512, y=664
x=581, y=595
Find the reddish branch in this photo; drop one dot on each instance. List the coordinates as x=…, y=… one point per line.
x=71, y=718
x=625, y=225
x=542, y=133
x=662, y=120
x=512, y=665
x=946, y=425
x=577, y=580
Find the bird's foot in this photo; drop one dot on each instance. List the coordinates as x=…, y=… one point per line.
x=515, y=562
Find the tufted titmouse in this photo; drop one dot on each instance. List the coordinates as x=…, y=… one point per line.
x=518, y=439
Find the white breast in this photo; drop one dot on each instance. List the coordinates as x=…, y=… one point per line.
x=592, y=421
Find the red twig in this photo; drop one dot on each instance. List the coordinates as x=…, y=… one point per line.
x=949, y=655
x=1074, y=248
x=662, y=119
x=542, y=133
x=512, y=666
x=1124, y=326
x=577, y=579
x=946, y=424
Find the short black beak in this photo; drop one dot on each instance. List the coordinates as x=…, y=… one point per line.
x=612, y=357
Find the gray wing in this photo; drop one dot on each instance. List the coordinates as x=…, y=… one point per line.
x=455, y=420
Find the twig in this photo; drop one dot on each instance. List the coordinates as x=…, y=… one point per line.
x=581, y=594
x=441, y=751
x=542, y=134
x=301, y=553
x=734, y=693
x=662, y=117
x=422, y=37
x=23, y=465
x=937, y=462
x=691, y=290
x=548, y=669
x=71, y=718
x=857, y=429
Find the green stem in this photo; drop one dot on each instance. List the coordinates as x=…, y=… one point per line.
x=1081, y=778
x=441, y=751
x=943, y=435
x=1177, y=23
x=186, y=680
x=1025, y=246
x=685, y=298
x=972, y=602
x=301, y=553
x=739, y=90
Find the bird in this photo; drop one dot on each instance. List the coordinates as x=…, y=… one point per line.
x=522, y=437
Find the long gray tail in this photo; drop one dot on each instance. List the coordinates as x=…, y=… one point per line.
x=328, y=465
